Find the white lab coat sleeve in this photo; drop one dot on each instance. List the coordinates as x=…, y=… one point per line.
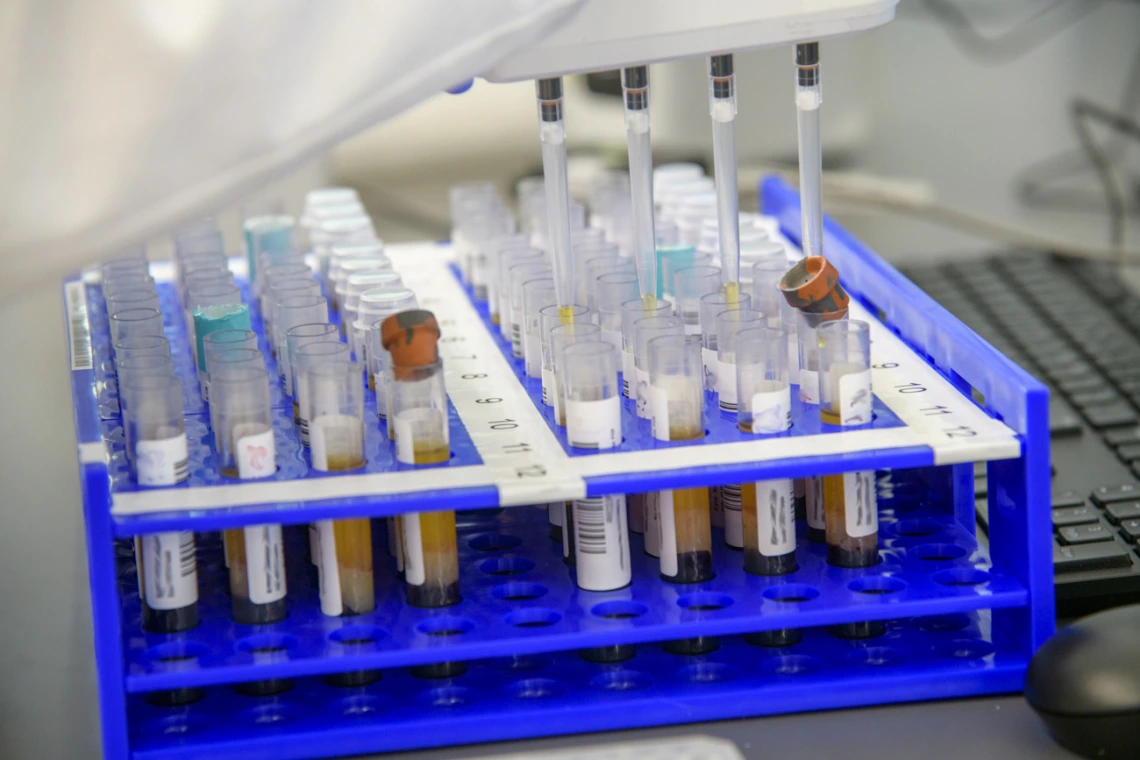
x=120, y=119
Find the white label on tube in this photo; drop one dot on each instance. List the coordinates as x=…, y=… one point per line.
x=860, y=503
x=813, y=494
x=855, y=398
x=613, y=337
x=170, y=572
x=658, y=412
x=162, y=462
x=733, y=516
x=628, y=375
x=327, y=569
x=775, y=517
x=532, y=353
x=726, y=385
x=265, y=563
x=414, y=571
x=692, y=328
x=601, y=543
x=793, y=352
x=809, y=386
x=709, y=360
x=379, y=381
x=255, y=450
x=594, y=424
x=716, y=507
x=554, y=513
x=405, y=437
x=336, y=435
x=772, y=411
x=668, y=529
x=516, y=333
x=653, y=524
x=548, y=386
x=643, y=395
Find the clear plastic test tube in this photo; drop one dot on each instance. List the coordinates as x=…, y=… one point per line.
x=215, y=307
x=614, y=289
x=768, y=506
x=596, y=270
x=224, y=340
x=127, y=367
x=766, y=295
x=132, y=322
x=132, y=281
x=849, y=499
x=631, y=311
x=230, y=360
x=681, y=515
x=689, y=286
x=552, y=132
x=136, y=298
x=358, y=284
x=559, y=336
x=350, y=266
x=550, y=317
x=420, y=418
x=141, y=345
x=722, y=108
x=265, y=234
x=376, y=305
x=307, y=356
x=158, y=437
x=520, y=275
x=293, y=311
x=646, y=329
x=669, y=260
x=537, y=294
x=593, y=417
x=712, y=305
x=499, y=285
x=279, y=289
x=728, y=324
x=295, y=337
x=255, y=554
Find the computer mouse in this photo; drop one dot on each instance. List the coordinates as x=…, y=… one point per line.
x=1085, y=684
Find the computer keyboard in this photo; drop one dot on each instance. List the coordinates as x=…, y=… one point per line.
x=1076, y=327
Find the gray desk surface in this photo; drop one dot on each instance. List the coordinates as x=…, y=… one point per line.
x=47, y=693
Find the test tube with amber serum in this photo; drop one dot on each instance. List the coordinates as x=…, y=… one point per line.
x=343, y=548
x=768, y=506
x=420, y=418
x=678, y=415
x=849, y=499
x=247, y=449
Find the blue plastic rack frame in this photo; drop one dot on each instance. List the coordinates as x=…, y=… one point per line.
x=959, y=619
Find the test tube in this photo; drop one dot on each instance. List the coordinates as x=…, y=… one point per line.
x=645, y=329
x=481, y=235
x=132, y=322
x=135, y=298
x=689, y=286
x=141, y=345
x=713, y=304
x=809, y=97
x=597, y=266
x=293, y=311
x=722, y=108
x=769, y=514
x=344, y=231
x=631, y=311
x=521, y=274
x=279, y=289
x=295, y=337
x=588, y=379
x=681, y=515
x=420, y=417
x=224, y=340
x=550, y=317
x=558, y=338
x=376, y=305
x=158, y=437
x=230, y=360
x=552, y=131
x=215, y=307
x=127, y=367
x=168, y=581
x=308, y=355
x=728, y=324
x=267, y=233
x=499, y=288
x=125, y=266
x=849, y=499
x=766, y=296
x=132, y=281
x=351, y=266
x=669, y=260
x=255, y=554
x=537, y=294
x=614, y=289
x=358, y=284
x=489, y=253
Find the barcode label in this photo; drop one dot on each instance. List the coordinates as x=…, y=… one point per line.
x=813, y=494
x=78, y=326
x=516, y=333
x=860, y=503
x=601, y=537
x=726, y=386
x=328, y=571
x=415, y=571
x=775, y=517
x=652, y=512
x=265, y=563
x=666, y=524
x=730, y=499
x=169, y=570
x=162, y=462
x=855, y=397
x=628, y=374
x=594, y=424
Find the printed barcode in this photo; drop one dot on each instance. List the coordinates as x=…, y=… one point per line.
x=580, y=445
x=730, y=497
x=304, y=426
x=181, y=470
x=728, y=406
x=590, y=520
x=625, y=386
x=78, y=327
x=186, y=553
x=516, y=340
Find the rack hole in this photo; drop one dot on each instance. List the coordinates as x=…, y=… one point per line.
x=792, y=665
x=267, y=643
x=955, y=621
x=176, y=651
x=621, y=680
x=877, y=656
x=964, y=649
x=450, y=696
x=446, y=626
x=360, y=706
x=536, y=688
x=521, y=662
x=519, y=592
x=273, y=715
x=357, y=635
x=494, y=542
x=619, y=609
x=533, y=617
x=176, y=725
x=877, y=584
x=506, y=566
x=916, y=528
x=707, y=672
x=791, y=593
x=938, y=552
x=962, y=576
x=704, y=601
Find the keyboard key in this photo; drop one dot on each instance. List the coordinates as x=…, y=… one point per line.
x=1128, y=451
x=1094, y=398
x=1067, y=559
x=1067, y=499
x=1085, y=534
x=1130, y=529
x=1063, y=518
x=1123, y=510
x=1121, y=436
x=1063, y=419
x=1110, y=415
x=1111, y=494
x=1083, y=384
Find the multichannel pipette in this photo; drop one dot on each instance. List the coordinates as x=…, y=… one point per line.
x=809, y=96
x=635, y=87
x=722, y=108
x=552, y=131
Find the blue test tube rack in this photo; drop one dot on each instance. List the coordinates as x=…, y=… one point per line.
x=959, y=618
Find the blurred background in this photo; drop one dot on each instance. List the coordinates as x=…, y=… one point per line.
x=966, y=102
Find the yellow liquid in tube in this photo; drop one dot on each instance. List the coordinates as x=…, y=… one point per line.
x=691, y=521
x=438, y=544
